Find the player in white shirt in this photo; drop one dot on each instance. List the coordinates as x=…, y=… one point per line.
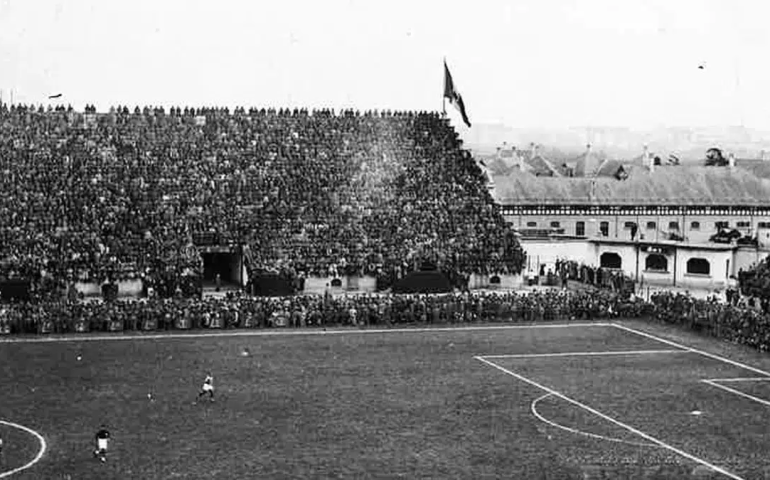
x=207, y=388
x=102, y=439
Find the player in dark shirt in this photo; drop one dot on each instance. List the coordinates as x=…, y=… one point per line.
x=102, y=439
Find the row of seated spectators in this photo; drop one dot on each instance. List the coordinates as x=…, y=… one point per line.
x=106, y=195
x=251, y=312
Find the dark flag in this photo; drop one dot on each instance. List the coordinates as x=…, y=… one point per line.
x=453, y=95
x=58, y=95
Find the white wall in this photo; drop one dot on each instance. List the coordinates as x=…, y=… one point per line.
x=126, y=288
x=507, y=282
x=763, y=235
x=235, y=266
x=547, y=251
x=627, y=256
x=617, y=230
x=319, y=285
x=717, y=278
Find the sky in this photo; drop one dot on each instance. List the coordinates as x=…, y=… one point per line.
x=523, y=63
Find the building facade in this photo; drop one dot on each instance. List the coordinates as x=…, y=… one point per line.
x=667, y=226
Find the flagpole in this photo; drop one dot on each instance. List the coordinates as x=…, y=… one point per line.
x=443, y=94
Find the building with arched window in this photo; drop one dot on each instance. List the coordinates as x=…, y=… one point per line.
x=688, y=226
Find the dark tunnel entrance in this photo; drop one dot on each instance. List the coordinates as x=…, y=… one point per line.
x=226, y=265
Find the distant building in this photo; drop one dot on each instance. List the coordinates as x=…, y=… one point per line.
x=657, y=222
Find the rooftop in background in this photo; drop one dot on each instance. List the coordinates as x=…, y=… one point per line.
x=664, y=185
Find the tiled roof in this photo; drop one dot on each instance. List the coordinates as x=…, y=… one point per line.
x=665, y=186
x=538, y=165
x=758, y=168
x=587, y=164
x=541, y=166
x=610, y=168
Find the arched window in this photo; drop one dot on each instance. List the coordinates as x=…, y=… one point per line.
x=495, y=280
x=699, y=266
x=656, y=262
x=336, y=283
x=610, y=260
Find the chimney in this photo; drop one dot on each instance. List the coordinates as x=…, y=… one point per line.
x=532, y=150
x=731, y=161
x=647, y=160
x=519, y=159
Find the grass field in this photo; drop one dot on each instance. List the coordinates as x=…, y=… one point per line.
x=530, y=402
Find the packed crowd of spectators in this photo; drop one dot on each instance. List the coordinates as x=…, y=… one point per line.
x=124, y=194
x=613, y=279
x=730, y=321
x=736, y=322
x=298, y=311
x=755, y=284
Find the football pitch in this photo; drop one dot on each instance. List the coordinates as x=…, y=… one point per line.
x=542, y=401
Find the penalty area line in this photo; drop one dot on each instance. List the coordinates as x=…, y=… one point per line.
x=737, y=392
x=586, y=354
x=599, y=414
x=314, y=331
x=694, y=350
x=40, y=453
x=738, y=379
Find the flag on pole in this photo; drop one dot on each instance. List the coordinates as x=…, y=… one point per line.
x=453, y=95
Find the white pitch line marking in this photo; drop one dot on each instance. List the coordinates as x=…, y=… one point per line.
x=533, y=408
x=585, y=354
x=246, y=333
x=739, y=379
x=40, y=453
x=612, y=420
x=737, y=392
x=695, y=350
